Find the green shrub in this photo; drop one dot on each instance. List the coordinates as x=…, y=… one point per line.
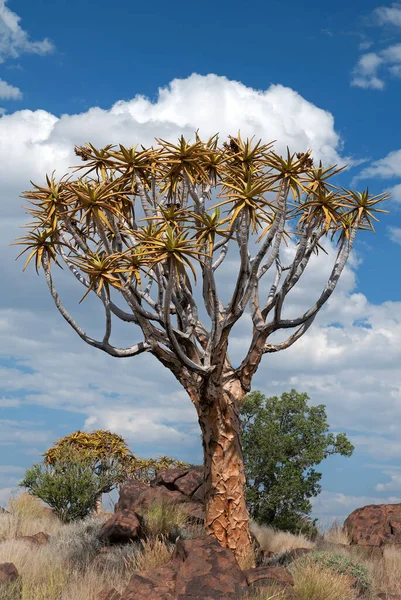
x=339, y=563
x=71, y=485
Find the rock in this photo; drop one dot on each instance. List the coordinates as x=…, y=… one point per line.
x=38, y=539
x=168, y=477
x=110, y=594
x=258, y=552
x=128, y=494
x=182, y=486
x=8, y=573
x=153, y=584
x=123, y=527
x=199, y=495
x=189, y=483
x=286, y=558
x=138, y=500
x=268, y=575
x=206, y=571
x=374, y=525
x=42, y=538
x=195, y=511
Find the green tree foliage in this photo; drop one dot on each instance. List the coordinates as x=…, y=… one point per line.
x=82, y=466
x=71, y=485
x=283, y=439
x=109, y=451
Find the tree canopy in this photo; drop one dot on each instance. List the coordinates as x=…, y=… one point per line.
x=109, y=451
x=283, y=440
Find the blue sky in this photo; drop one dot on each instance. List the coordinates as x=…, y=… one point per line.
x=310, y=75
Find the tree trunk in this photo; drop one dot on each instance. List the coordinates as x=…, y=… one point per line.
x=226, y=514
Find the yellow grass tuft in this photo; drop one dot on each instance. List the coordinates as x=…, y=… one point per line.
x=336, y=534
x=385, y=571
x=26, y=506
x=156, y=553
x=164, y=519
x=313, y=582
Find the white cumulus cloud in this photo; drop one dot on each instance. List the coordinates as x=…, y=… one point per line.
x=365, y=74
x=9, y=92
x=389, y=15
x=14, y=40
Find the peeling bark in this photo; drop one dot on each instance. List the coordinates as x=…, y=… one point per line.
x=226, y=514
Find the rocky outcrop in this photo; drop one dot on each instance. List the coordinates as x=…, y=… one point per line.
x=374, y=525
x=183, y=486
x=264, y=576
x=158, y=584
x=201, y=569
x=206, y=570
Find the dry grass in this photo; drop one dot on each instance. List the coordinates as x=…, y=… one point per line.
x=386, y=571
x=247, y=561
x=63, y=569
x=43, y=574
x=336, y=534
x=164, y=519
x=274, y=593
x=271, y=540
x=13, y=525
x=27, y=517
x=26, y=506
x=313, y=582
x=156, y=552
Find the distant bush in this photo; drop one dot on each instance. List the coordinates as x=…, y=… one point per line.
x=71, y=486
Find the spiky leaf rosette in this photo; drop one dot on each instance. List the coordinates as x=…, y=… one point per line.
x=146, y=222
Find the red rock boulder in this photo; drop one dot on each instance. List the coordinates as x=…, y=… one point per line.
x=200, y=569
x=155, y=584
x=374, y=525
x=179, y=486
x=124, y=526
x=8, y=573
x=38, y=539
x=265, y=576
x=207, y=571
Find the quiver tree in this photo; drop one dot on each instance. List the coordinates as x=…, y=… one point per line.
x=108, y=453
x=150, y=223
